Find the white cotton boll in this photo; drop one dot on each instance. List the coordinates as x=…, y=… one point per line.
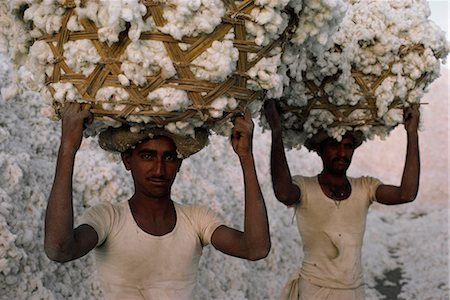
x=217, y=63
x=183, y=46
x=170, y=99
x=146, y=58
x=393, y=117
x=123, y=80
x=73, y=24
x=40, y=53
x=400, y=89
x=4, y=135
x=132, y=12
x=81, y=56
x=49, y=113
x=194, y=5
x=318, y=18
x=187, y=18
x=215, y=113
x=45, y=17
x=97, y=126
x=89, y=11
x=265, y=73
x=220, y=104
x=359, y=116
x=171, y=127
x=65, y=91
x=384, y=96
x=317, y=119
x=113, y=10
x=272, y=3
x=127, y=14
x=232, y=103
x=184, y=128
x=415, y=95
x=139, y=119
x=322, y=38
x=111, y=97
x=397, y=68
x=263, y=16
x=135, y=128
x=266, y=25
x=337, y=132
x=258, y=32
x=109, y=23
x=9, y=92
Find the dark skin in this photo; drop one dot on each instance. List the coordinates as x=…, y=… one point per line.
x=154, y=166
x=336, y=158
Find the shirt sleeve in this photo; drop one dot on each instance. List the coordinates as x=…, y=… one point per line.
x=100, y=217
x=206, y=222
x=371, y=184
x=300, y=182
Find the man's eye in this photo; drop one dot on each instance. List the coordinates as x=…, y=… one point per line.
x=170, y=157
x=146, y=156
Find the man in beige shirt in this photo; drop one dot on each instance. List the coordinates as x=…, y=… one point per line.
x=331, y=209
x=149, y=246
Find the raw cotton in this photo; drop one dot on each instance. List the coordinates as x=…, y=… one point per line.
x=143, y=60
x=397, y=237
x=381, y=59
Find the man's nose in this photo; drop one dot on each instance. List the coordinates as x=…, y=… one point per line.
x=159, y=167
x=341, y=150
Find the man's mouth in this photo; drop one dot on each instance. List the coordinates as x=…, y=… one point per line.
x=157, y=180
x=341, y=161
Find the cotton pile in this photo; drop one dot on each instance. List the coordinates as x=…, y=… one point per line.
x=382, y=58
x=307, y=24
x=396, y=237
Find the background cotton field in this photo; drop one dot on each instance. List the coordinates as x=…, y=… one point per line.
x=406, y=247
x=405, y=254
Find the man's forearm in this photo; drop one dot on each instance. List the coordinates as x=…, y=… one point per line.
x=59, y=213
x=411, y=173
x=281, y=177
x=256, y=226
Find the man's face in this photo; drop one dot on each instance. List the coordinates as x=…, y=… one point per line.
x=154, y=165
x=337, y=156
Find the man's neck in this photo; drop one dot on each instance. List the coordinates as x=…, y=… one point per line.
x=150, y=207
x=332, y=178
x=154, y=216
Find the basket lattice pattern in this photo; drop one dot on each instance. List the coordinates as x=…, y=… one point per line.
x=200, y=92
x=367, y=84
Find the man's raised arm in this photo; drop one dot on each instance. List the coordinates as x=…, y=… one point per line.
x=254, y=242
x=407, y=191
x=62, y=242
x=285, y=191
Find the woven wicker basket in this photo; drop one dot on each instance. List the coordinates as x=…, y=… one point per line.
x=200, y=92
x=367, y=84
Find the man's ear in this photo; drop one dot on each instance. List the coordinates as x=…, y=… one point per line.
x=126, y=156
